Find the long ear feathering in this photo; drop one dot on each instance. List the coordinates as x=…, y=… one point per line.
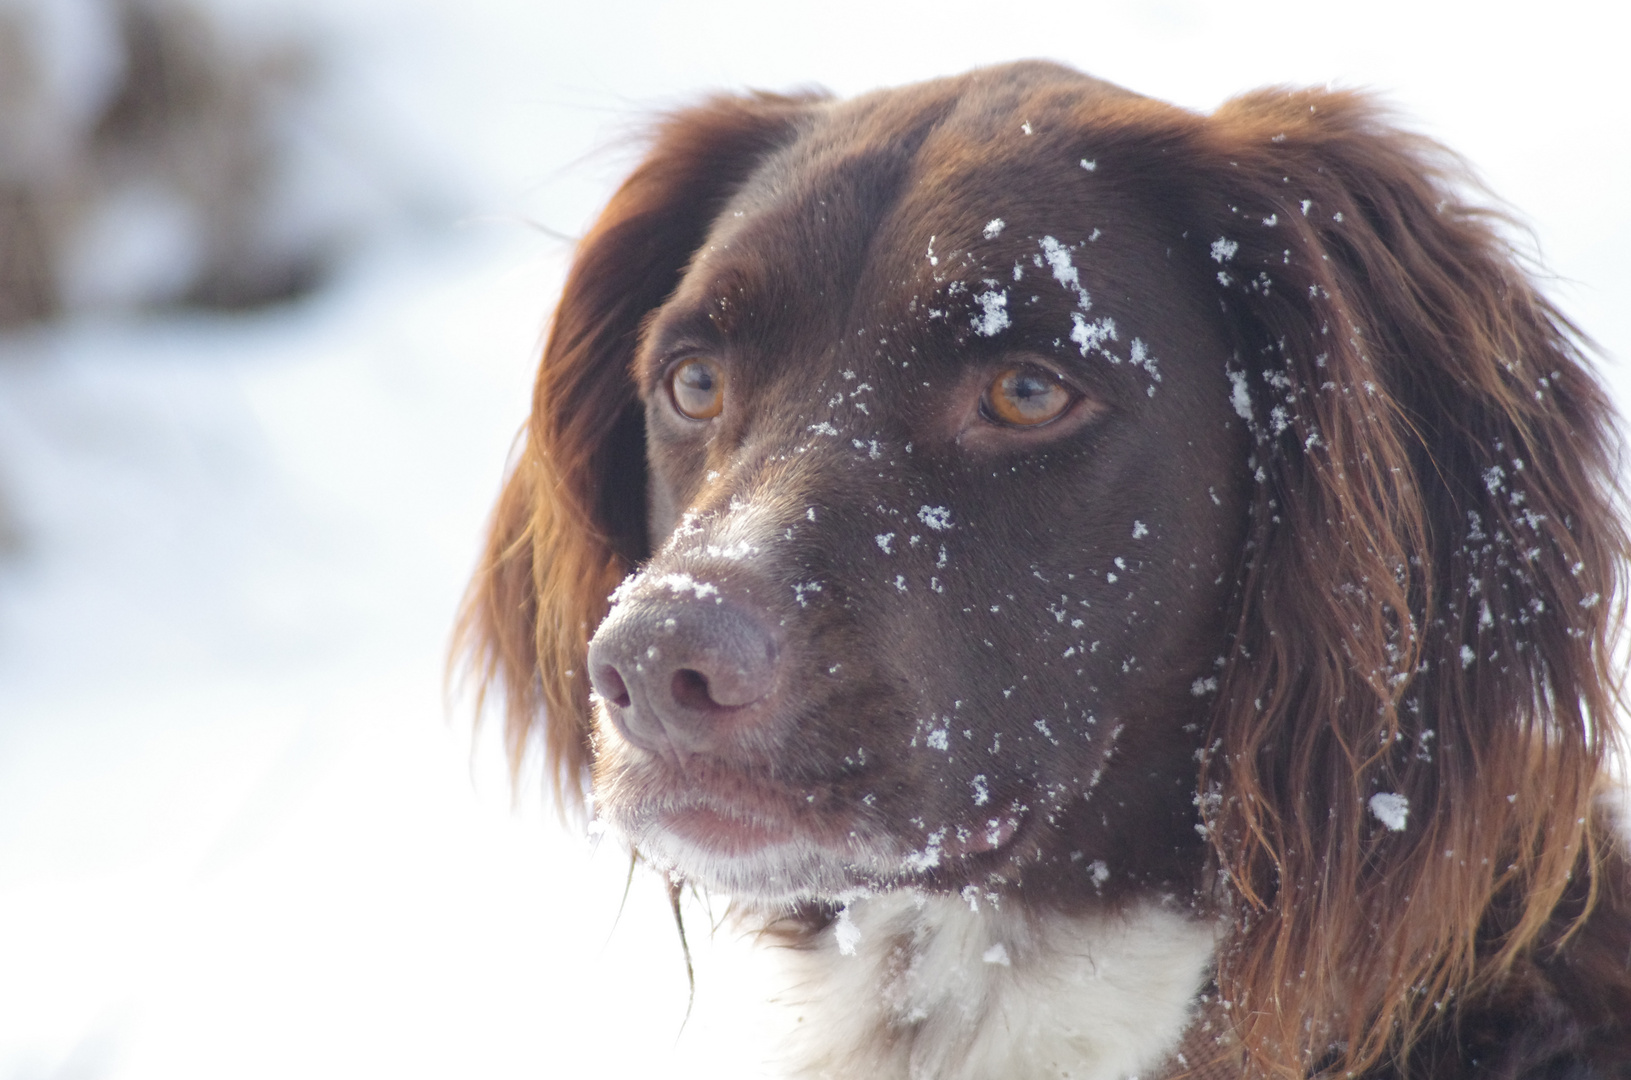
x=1413, y=721
x=570, y=523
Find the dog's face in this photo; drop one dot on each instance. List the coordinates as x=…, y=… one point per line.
x=947, y=490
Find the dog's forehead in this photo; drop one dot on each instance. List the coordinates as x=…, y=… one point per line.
x=939, y=217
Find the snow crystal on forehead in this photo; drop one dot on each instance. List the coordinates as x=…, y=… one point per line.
x=1239, y=396
x=1059, y=259
x=1093, y=335
x=1223, y=249
x=1064, y=271
x=993, y=318
x=1139, y=355
x=994, y=228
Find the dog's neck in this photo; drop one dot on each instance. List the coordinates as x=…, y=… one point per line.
x=905, y=985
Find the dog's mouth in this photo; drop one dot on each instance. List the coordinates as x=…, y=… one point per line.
x=726, y=834
x=721, y=809
x=776, y=840
x=746, y=818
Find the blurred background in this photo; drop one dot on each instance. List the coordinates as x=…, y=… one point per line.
x=272, y=277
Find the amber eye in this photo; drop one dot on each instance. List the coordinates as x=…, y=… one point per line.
x=698, y=388
x=1025, y=397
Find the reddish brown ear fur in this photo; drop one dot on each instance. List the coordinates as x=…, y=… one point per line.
x=571, y=521
x=1423, y=606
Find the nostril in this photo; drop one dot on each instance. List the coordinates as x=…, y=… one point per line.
x=610, y=686
x=675, y=676
x=690, y=690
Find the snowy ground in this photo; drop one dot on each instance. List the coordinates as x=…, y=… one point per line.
x=241, y=835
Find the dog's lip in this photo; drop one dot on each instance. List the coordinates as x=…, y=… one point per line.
x=727, y=833
x=735, y=815
x=731, y=811
x=751, y=816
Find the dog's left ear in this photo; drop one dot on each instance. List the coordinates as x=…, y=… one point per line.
x=1412, y=725
x=571, y=521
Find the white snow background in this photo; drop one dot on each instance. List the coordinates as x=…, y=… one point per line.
x=241, y=833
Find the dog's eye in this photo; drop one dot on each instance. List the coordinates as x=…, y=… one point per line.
x=697, y=387
x=1025, y=397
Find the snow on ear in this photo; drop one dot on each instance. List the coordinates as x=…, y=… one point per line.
x=1423, y=612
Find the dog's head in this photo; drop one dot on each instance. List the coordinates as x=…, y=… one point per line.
x=943, y=498
x=1013, y=483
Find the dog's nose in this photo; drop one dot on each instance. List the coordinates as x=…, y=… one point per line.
x=683, y=675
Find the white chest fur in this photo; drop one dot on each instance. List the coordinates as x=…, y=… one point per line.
x=912, y=987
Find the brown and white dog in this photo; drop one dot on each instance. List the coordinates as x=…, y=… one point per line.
x=1122, y=591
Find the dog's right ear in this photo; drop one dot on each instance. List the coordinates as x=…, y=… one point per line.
x=571, y=522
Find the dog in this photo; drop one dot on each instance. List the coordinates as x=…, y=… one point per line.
x=1116, y=591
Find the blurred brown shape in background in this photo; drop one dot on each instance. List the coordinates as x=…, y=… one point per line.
x=145, y=161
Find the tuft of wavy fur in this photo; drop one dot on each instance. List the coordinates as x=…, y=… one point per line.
x=1428, y=594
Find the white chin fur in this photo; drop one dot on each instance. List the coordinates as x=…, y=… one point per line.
x=911, y=987
x=776, y=874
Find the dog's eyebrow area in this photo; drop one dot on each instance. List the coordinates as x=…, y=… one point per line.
x=704, y=315
x=672, y=338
